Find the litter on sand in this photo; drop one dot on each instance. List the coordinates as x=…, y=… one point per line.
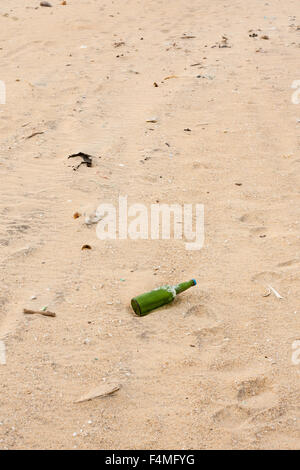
x=267, y=293
x=98, y=392
x=145, y=303
x=86, y=159
x=46, y=313
x=2, y=353
x=92, y=218
x=274, y=292
x=86, y=247
x=224, y=43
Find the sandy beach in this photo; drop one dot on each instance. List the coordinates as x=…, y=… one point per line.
x=219, y=368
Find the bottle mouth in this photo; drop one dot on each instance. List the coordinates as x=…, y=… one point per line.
x=194, y=281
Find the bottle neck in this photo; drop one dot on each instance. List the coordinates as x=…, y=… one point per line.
x=184, y=286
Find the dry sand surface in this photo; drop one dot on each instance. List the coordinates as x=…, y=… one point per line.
x=214, y=369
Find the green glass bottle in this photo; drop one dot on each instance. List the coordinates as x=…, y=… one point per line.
x=144, y=303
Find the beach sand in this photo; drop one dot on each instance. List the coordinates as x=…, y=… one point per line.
x=216, y=369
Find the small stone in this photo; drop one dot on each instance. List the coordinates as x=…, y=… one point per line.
x=45, y=4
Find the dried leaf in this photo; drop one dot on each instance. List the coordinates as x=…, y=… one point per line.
x=100, y=391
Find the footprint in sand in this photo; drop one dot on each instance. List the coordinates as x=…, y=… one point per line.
x=210, y=337
x=253, y=218
x=267, y=276
x=256, y=402
x=231, y=416
x=201, y=311
x=254, y=222
x=251, y=387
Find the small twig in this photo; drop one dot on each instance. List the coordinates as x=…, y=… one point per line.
x=34, y=134
x=46, y=313
x=170, y=76
x=275, y=292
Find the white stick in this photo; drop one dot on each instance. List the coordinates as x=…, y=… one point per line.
x=275, y=292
